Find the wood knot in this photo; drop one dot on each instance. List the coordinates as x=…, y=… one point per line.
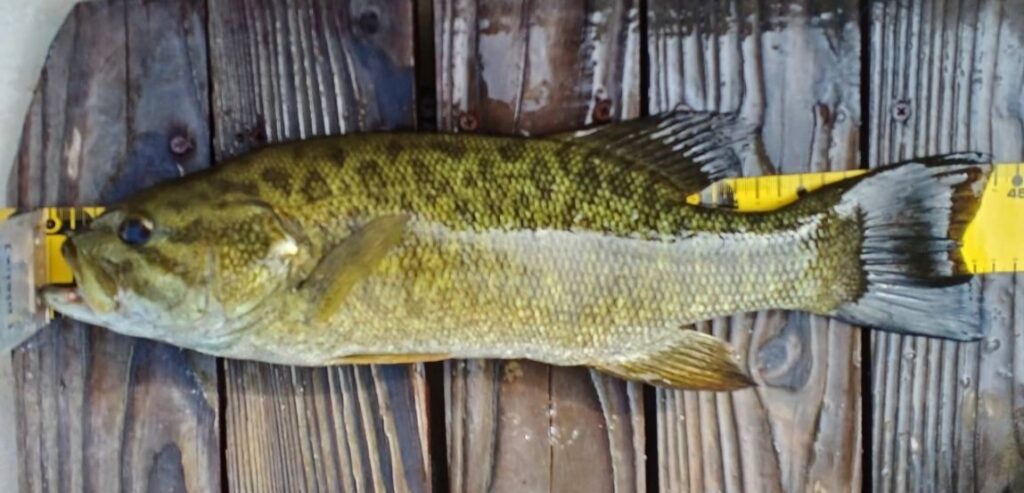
x=368, y=22
x=783, y=359
x=602, y=111
x=467, y=122
x=167, y=468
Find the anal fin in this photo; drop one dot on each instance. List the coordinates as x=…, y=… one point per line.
x=691, y=361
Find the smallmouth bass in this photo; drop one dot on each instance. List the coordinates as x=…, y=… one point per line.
x=571, y=249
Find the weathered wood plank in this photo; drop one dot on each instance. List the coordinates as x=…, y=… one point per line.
x=532, y=68
x=947, y=76
x=98, y=411
x=794, y=68
x=292, y=69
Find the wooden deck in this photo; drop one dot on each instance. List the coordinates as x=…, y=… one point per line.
x=950, y=417
x=137, y=91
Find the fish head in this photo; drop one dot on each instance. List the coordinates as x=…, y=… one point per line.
x=179, y=266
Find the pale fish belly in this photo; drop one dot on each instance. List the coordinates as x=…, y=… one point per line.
x=565, y=297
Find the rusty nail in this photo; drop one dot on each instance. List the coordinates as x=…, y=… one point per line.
x=368, y=22
x=467, y=122
x=602, y=111
x=180, y=145
x=901, y=110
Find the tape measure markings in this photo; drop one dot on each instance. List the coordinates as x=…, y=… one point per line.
x=992, y=242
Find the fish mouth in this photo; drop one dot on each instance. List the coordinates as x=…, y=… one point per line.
x=93, y=294
x=66, y=299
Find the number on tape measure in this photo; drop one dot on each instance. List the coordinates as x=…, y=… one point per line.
x=63, y=220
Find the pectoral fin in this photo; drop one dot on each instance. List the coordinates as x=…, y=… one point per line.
x=691, y=361
x=351, y=261
x=387, y=359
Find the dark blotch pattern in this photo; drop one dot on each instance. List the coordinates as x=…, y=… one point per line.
x=300, y=153
x=371, y=175
x=243, y=187
x=338, y=157
x=190, y=233
x=315, y=187
x=451, y=149
x=278, y=180
x=393, y=148
x=511, y=151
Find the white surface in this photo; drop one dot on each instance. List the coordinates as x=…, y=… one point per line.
x=26, y=29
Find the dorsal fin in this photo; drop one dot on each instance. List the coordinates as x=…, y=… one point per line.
x=950, y=159
x=692, y=149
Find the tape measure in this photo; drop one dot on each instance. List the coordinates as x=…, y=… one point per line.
x=56, y=223
x=993, y=242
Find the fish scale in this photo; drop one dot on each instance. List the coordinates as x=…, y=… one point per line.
x=573, y=249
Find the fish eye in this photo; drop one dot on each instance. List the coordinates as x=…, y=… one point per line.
x=135, y=231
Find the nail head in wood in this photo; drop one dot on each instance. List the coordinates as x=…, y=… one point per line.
x=602, y=111
x=901, y=111
x=467, y=122
x=180, y=145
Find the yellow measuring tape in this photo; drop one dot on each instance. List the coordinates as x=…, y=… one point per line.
x=57, y=223
x=993, y=242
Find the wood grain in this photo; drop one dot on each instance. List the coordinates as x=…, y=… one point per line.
x=101, y=412
x=532, y=68
x=794, y=68
x=947, y=76
x=292, y=69
x=97, y=411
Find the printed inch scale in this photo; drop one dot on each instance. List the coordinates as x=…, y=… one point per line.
x=56, y=223
x=993, y=242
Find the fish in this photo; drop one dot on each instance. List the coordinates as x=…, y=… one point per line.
x=572, y=249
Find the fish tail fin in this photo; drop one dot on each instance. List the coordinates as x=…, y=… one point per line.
x=692, y=361
x=913, y=216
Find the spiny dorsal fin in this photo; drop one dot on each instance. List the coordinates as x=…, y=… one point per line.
x=351, y=261
x=691, y=361
x=691, y=149
x=950, y=159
